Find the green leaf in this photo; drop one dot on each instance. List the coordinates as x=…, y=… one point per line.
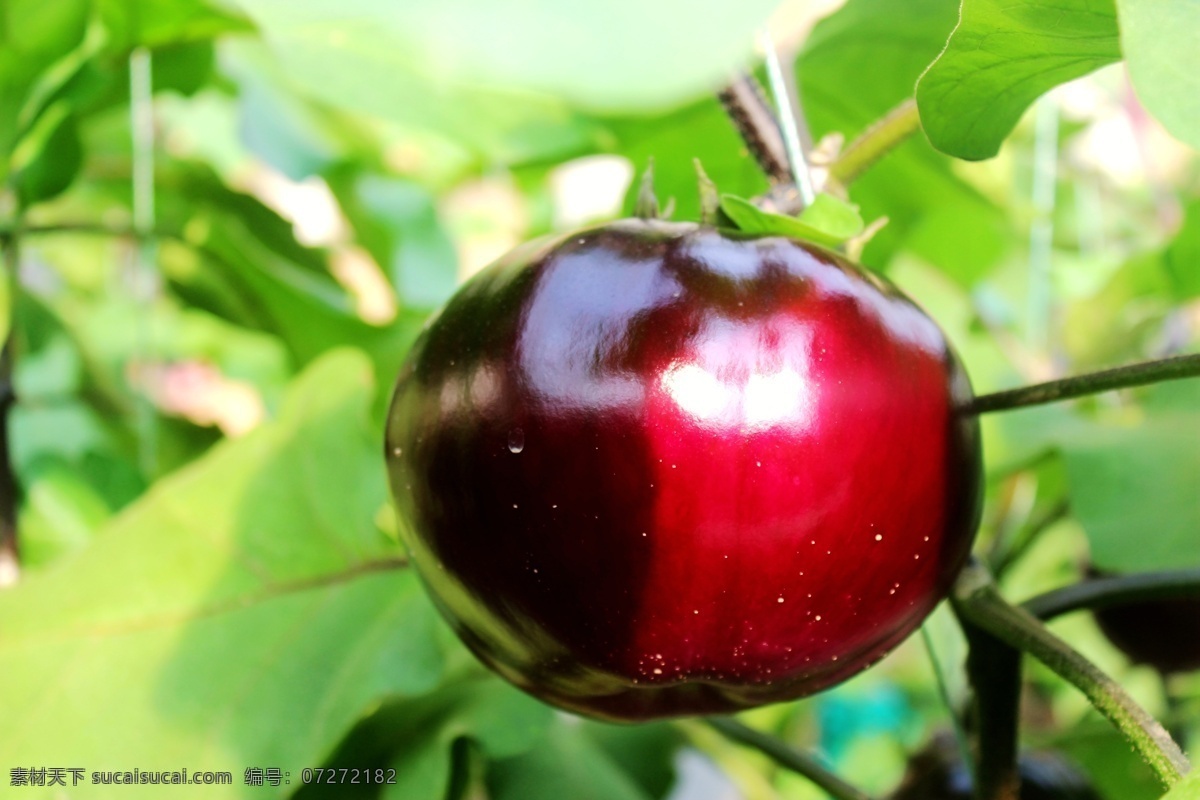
x=1158, y=38
x=1002, y=57
x=60, y=514
x=1118, y=322
x=1134, y=491
x=248, y=267
x=308, y=312
x=34, y=34
x=155, y=23
x=828, y=221
x=499, y=124
x=246, y=612
x=1104, y=755
x=836, y=218
x=398, y=222
x=644, y=752
x=185, y=68
x=48, y=157
x=1182, y=257
x=858, y=64
x=423, y=738
x=68, y=430
x=567, y=763
x=1187, y=789
x=52, y=370
x=500, y=720
x=610, y=55
x=280, y=125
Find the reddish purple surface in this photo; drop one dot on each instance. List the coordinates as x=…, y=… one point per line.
x=651, y=470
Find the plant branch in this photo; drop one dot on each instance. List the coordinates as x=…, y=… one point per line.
x=977, y=600
x=1115, y=591
x=883, y=136
x=141, y=123
x=1166, y=369
x=787, y=757
x=994, y=669
x=755, y=120
x=939, y=675
x=85, y=228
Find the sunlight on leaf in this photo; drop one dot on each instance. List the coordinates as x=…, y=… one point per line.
x=1159, y=40
x=247, y=611
x=828, y=221
x=1002, y=57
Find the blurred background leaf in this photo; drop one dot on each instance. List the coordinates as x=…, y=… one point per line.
x=1157, y=40
x=1152, y=462
x=230, y=609
x=33, y=37
x=454, y=58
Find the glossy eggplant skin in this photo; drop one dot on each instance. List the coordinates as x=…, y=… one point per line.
x=652, y=469
x=1164, y=634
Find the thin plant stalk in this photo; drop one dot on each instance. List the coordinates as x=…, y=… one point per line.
x=939, y=675
x=1147, y=372
x=144, y=277
x=787, y=757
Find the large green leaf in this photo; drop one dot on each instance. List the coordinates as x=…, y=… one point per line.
x=60, y=513
x=861, y=62
x=619, y=54
x=154, y=23
x=1158, y=38
x=421, y=742
x=1002, y=57
x=646, y=752
x=567, y=763
x=496, y=122
x=498, y=719
x=1187, y=789
x=34, y=35
x=1134, y=491
x=244, y=613
x=287, y=129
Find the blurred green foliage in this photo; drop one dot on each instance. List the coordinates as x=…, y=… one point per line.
x=210, y=575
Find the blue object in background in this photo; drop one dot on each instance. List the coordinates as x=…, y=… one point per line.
x=845, y=716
